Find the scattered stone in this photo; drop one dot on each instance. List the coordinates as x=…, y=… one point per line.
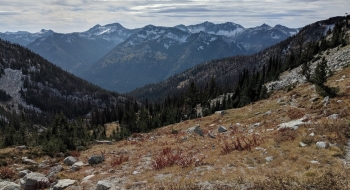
x=256, y=125
x=70, y=160
x=196, y=129
x=23, y=147
x=7, y=185
x=60, y=154
x=56, y=169
x=326, y=99
x=103, y=185
x=269, y=159
x=220, y=112
x=85, y=179
x=76, y=166
x=63, y=183
x=34, y=179
x=314, y=162
x=211, y=135
x=312, y=134
x=222, y=129
x=104, y=142
x=302, y=144
x=23, y=173
x=294, y=124
x=96, y=159
x=267, y=113
x=321, y=144
x=135, y=172
x=333, y=116
x=339, y=101
x=26, y=160
x=268, y=130
x=257, y=113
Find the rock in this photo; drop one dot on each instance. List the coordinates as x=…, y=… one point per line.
x=326, y=99
x=85, y=179
x=23, y=147
x=26, y=160
x=211, y=136
x=312, y=134
x=135, y=172
x=56, y=169
x=7, y=185
x=302, y=144
x=220, y=112
x=294, y=124
x=256, y=124
x=196, y=129
x=314, y=162
x=23, y=173
x=103, y=142
x=104, y=185
x=34, y=180
x=60, y=154
x=76, y=166
x=267, y=113
x=222, y=129
x=63, y=183
x=321, y=144
x=333, y=116
x=268, y=130
x=96, y=159
x=70, y=160
x=269, y=159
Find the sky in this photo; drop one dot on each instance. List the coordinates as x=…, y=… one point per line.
x=67, y=16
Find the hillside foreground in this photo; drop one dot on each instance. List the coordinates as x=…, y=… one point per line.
x=295, y=139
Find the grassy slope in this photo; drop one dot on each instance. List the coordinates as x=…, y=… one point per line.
x=292, y=167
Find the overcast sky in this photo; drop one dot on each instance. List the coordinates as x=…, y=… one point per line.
x=79, y=15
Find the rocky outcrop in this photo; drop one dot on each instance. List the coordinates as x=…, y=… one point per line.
x=222, y=129
x=26, y=160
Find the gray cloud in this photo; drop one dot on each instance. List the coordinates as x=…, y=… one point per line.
x=79, y=15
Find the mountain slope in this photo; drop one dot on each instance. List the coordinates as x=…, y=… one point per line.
x=76, y=51
x=40, y=88
x=226, y=71
x=24, y=38
x=156, y=53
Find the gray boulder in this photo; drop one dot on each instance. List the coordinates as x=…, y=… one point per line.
x=196, y=129
x=63, y=183
x=96, y=159
x=333, y=116
x=321, y=144
x=70, y=160
x=77, y=165
x=222, y=129
x=34, y=181
x=104, y=185
x=7, y=185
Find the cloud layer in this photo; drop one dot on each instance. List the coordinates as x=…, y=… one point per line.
x=80, y=15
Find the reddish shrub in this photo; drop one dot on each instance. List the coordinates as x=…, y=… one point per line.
x=7, y=173
x=119, y=160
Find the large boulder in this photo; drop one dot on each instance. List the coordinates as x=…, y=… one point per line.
x=34, y=181
x=7, y=185
x=63, y=183
x=96, y=159
x=70, y=160
x=104, y=185
x=196, y=129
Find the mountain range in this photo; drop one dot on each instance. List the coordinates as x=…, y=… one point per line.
x=121, y=59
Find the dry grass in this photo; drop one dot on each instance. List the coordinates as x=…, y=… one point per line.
x=234, y=160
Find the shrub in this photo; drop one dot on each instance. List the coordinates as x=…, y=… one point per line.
x=119, y=160
x=7, y=173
